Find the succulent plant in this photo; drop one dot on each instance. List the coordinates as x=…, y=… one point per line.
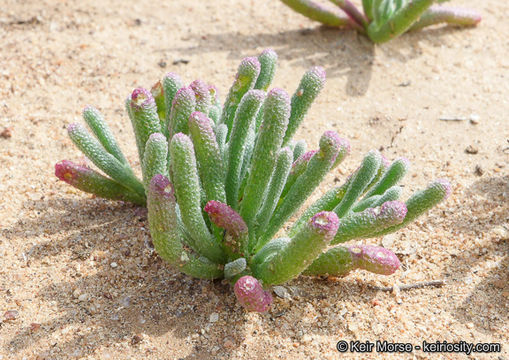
x=220, y=182
x=384, y=20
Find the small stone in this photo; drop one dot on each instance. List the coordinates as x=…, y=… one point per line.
x=136, y=339
x=162, y=64
x=76, y=293
x=470, y=149
x=474, y=119
x=214, y=317
x=83, y=297
x=11, y=315
x=6, y=133
x=470, y=325
x=500, y=232
x=282, y=292
x=34, y=327
x=353, y=327
x=114, y=265
x=397, y=293
x=478, y=170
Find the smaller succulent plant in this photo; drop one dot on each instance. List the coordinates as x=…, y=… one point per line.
x=384, y=20
x=220, y=182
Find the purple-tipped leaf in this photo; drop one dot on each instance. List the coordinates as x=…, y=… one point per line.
x=375, y=259
x=251, y=295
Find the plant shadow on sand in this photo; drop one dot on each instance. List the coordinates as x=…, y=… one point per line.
x=343, y=53
x=486, y=305
x=141, y=294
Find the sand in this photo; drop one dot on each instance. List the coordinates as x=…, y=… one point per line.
x=78, y=276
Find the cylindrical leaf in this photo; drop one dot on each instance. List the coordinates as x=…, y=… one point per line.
x=330, y=145
x=88, y=180
x=188, y=193
x=226, y=218
x=245, y=80
x=339, y=261
x=171, y=84
x=420, y=203
x=167, y=238
x=441, y=14
x=363, y=224
x=251, y=295
x=360, y=180
x=277, y=111
x=399, y=22
x=268, y=63
x=299, y=149
x=157, y=92
x=375, y=259
x=277, y=182
x=210, y=163
x=327, y=202
x=203, y=96
x=391, y=194
x=96, y=122
x=155, y=158
x=247, y=110
x=234, y=268
x=103, y=159
x=394, y=173
x=300, y=252
x=310, y=86
x=143, y=112
x=184, y=104
x=316, y=11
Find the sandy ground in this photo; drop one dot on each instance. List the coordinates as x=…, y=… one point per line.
x=78, y=278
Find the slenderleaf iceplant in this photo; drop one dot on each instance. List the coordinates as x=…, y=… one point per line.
x=383, y=20
x=220, y=182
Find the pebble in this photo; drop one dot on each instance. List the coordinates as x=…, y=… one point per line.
x=353, y=328
x=470, y=149
x=214, y=317
x=500, y=232
x=6, y=133
x=136, y=339
x=76, y=293
x=113, y=265
x=11, y=315
x=474, y=119
x=282, y=292
x=83, y=297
